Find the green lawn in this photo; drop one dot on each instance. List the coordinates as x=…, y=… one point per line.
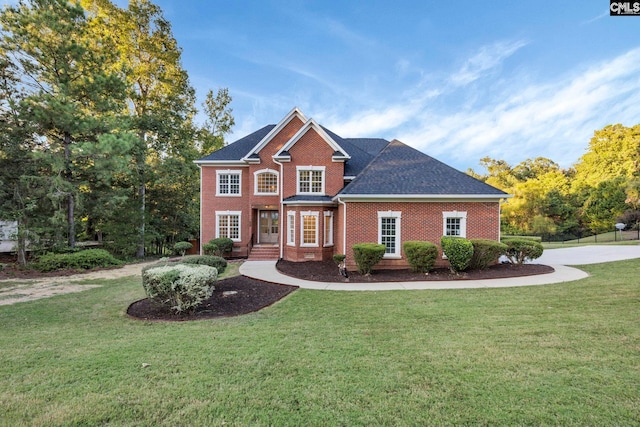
x=566, y=354
x=611, y=238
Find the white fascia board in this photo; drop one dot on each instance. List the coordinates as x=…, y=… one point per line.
x=421, y=197
x=312, y=124
x=234, y=163
x=295, y=112
x=309, y=203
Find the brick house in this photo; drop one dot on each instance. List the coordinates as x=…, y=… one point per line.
x=299, y=192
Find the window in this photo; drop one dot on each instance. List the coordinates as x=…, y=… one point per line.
x=291, y=228
x=310, y=179
x=229, y=183
x=266, y=182
x=228, y=225
x=389, y=232
x=328, y=228
x=309, y=234
x=454, y=224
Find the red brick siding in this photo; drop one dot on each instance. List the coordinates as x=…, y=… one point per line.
x=420, y=221
x=297, y=253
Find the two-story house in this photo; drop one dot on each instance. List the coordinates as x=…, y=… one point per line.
x=307, y=194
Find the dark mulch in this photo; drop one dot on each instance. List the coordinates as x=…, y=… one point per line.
x=327, y=271
x=251, y=295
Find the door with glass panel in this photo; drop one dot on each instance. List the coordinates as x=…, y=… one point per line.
x=269, y=227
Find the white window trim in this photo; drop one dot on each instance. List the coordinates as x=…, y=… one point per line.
x=455, y=214
x=302, y=215
x=398, y=216
x=328, y=221
x=228, y=172
x=291, y=226
x=311, y=168
x=255, y=182
x=233, y=213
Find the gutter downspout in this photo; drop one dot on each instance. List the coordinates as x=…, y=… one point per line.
x=344, y=227
x=200, y=248
x=281, y=208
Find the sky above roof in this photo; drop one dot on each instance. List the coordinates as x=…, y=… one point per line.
x=457, y=80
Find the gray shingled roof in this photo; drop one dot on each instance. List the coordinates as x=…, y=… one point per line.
x=240, y=148
x=401, y=170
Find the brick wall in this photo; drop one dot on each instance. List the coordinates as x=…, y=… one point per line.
x=419, y=221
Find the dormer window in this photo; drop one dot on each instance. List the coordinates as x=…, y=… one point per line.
x=311, y=180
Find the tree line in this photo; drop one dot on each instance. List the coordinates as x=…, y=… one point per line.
x=97, y=131
x=600, y=190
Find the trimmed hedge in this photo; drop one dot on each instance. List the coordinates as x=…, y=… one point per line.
x=366, y=255
x=519, y=250
x=86, y=260
x=420, y=255
x=458, y=251
x=181, y=248
x=180, y=287
x=219, y=263
x=218, y=247
x=485, y=253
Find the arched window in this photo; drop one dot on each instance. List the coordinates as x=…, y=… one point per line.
x=266, y=182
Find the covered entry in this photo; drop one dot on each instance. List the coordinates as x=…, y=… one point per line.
x=268, y=226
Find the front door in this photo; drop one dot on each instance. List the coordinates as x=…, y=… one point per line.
x=269, y=226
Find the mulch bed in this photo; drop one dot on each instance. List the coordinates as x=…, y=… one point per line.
x=232, y=297
x=327, y=271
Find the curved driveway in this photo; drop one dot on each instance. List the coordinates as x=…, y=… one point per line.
x=559, y=259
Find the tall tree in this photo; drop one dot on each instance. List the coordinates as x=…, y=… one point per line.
x=69, y=90
x=219, y=120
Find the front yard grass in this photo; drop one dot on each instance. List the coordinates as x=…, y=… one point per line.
x=565, y=354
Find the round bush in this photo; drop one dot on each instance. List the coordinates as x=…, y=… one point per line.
x=366, y=255
x=420, y=255
x=458, y=251
x=218, y=247
x=178, y=286
x=520, y=250
x=485, y=253
x=181, y=248
x=217, y=262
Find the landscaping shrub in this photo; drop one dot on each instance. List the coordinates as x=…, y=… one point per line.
x=339, y=258
x=458, y=251
x=420, y=255
x=366, y=255
x=87, y=259
x=519, y=250
x=179, y=286
x=485, y=253
x=181, y=247
x=218, y=247
x=219, y=263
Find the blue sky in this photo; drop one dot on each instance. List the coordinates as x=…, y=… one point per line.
x=457, y=80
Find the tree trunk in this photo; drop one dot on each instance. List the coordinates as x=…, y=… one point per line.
x=70, y=197
x=142, y=194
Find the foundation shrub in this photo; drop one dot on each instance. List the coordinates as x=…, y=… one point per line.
x=181, y=248
x=520, y=250
x=420, y=255
x=485, y=253
x=366, y=255
x=458, y=251
x=218, y=246
x=219, y=263
x=180, y=287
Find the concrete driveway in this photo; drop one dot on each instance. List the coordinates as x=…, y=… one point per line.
x=581, y=255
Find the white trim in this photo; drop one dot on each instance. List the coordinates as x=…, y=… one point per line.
x=291, y=226
x=462, y=215
x=228, y=172
x=315, y=214
x=255, y=182
x=311, y=169
x=328, y=221
x=200, y=251
x=295, y=112
x=397, y=215
x=228, y=163
x=309, y=125
x=229, y=213
x=422, y=197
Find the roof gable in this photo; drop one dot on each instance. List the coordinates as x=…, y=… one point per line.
x=237, y=150
x=339, y=152
x=401, y=170
x=294, y=113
